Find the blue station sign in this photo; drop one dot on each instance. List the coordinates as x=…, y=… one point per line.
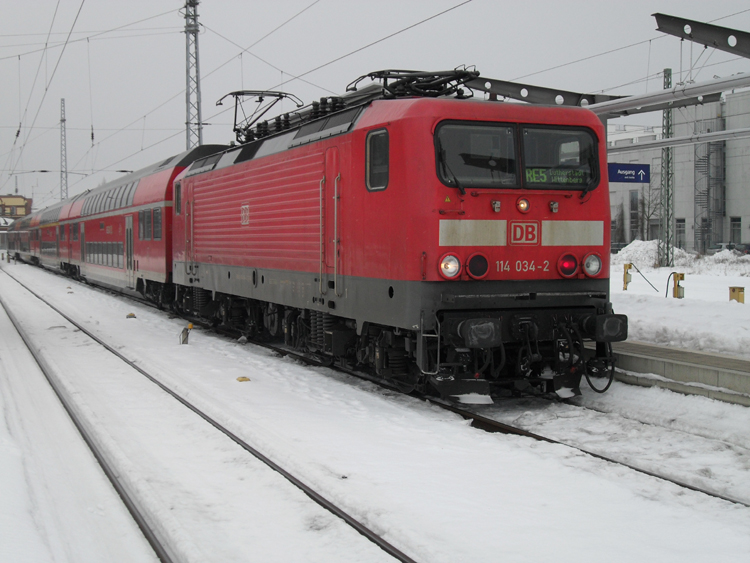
x=629, y=173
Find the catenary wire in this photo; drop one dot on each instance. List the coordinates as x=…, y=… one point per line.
x=94, y=35
x=46, y=89
x=316, y=68
x=181, y=92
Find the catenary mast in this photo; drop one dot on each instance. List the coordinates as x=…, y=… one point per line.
x=193, y=120
x=63, y=154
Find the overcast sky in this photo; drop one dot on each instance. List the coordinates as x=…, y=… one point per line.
x=123, y=70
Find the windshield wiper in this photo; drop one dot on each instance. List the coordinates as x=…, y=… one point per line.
x=446, y=169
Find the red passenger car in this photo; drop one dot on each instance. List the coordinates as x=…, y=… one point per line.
x=117, y=235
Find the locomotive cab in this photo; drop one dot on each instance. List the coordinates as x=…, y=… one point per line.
x=497, y=216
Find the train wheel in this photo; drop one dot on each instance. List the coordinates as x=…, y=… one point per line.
x=272, y=316
x=406, y=383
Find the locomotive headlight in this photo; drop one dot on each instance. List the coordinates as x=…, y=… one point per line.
x=567, y=265
x=450, y=266
x=523, y=205
x=592, y=265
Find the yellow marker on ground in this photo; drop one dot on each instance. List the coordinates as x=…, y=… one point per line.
x=737, y=294
x=626, y=277
x=678, y=292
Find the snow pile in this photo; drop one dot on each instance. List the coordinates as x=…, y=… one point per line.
x=644, y=254
x=705, y=320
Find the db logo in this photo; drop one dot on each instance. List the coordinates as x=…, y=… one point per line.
x=524, y=232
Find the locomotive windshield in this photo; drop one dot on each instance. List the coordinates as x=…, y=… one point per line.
x=473, y=155
x=559, y=157
x=476, y=155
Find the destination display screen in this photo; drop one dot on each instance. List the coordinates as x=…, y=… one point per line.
x=557, y=176
x=560, y=156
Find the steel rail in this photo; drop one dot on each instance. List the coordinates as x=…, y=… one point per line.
x=477, y=421
x=111, y=473
x=309, y=491
x=494, y=426
x=490, y=425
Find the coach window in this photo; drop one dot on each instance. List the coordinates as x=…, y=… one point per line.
x=118, y=197
x=177, y=198
x=147, y=231
x=131, y=192
x=157, y=223
x=141, y=225
x=376, y=160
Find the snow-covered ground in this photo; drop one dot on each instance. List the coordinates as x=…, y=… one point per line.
x=438, y=489
x=704, y=320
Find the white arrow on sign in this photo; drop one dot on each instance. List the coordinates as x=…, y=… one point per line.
x=641, y=173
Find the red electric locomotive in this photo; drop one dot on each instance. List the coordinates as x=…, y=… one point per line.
x=440, y=241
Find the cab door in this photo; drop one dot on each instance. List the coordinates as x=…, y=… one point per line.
x=191, y=268
x=330, y=256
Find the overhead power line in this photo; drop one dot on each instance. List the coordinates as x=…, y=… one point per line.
x=46, y=89
x=293, y=78
x=350, y=53
x=182, y=92
x=92, y=36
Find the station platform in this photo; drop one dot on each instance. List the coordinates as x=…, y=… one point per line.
x=713, y=375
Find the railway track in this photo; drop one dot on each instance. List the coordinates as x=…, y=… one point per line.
x=149, y=531
x=109, y=470
x=491, y=425
x=488, y=424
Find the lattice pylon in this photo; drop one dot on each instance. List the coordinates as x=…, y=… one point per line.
x=63, y=154
x=193, y=116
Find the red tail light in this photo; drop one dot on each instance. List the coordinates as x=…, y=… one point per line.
x=567, y=265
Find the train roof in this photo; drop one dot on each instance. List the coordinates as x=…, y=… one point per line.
x=115, y=194
x=372, y=112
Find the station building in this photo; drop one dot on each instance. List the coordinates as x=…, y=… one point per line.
x=12, y=207
x=711, y=180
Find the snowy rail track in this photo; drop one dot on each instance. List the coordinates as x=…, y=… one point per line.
x=481, y=418
x=110, y=471
x=488, y=420
x=416, y=474
x=151, y=530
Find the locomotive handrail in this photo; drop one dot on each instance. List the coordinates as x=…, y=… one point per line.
x=336, y=235
x=322, y=237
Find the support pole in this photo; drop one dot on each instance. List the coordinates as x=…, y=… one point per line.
x=193, y=119
x=666, y=215
x=63, y=154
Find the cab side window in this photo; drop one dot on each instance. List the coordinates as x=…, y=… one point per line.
x=376, y=160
